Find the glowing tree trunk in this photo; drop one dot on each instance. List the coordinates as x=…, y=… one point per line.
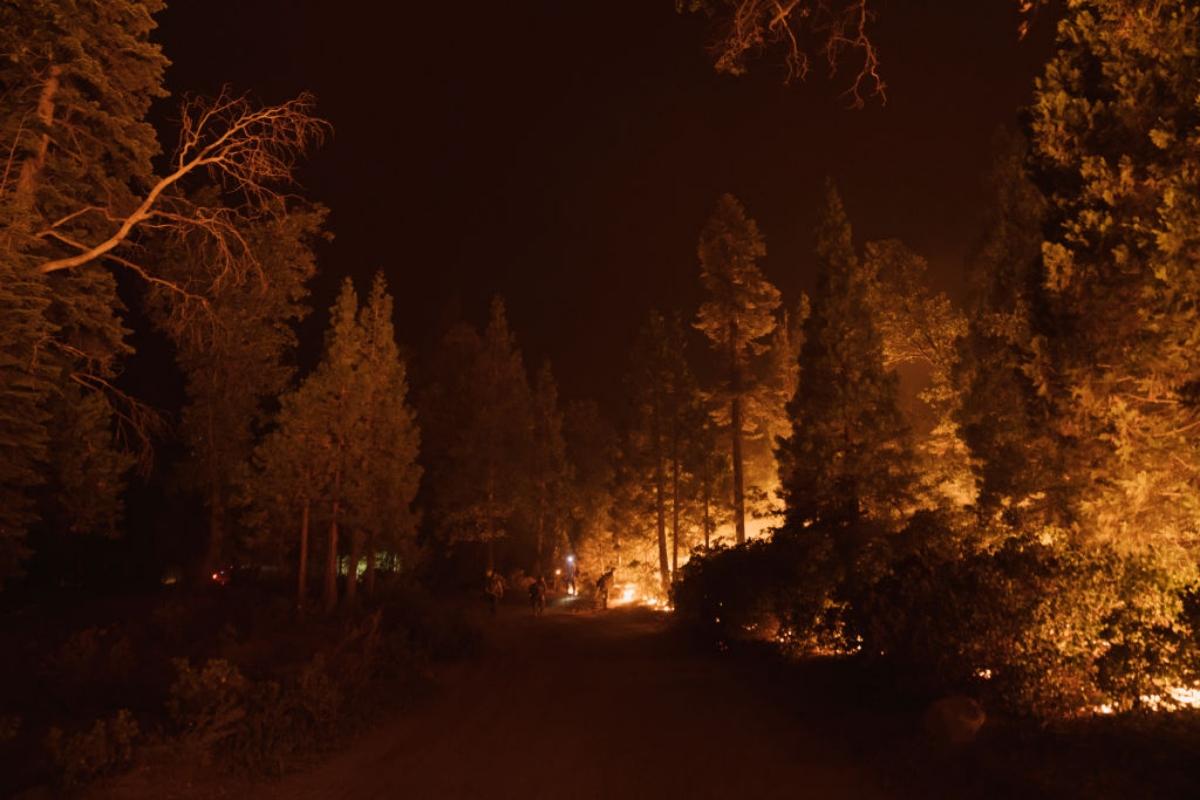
x=661, y=522
x=33, y=165
x=660, y=507
x=737, y=316
x=707, y=518
x=675, y=500
x=331, y=556
x=735, y=424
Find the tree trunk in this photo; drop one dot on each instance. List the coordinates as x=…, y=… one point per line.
x=302, y=570
x=739, y=492
x=660, y=503
x=735, y=423
x=675, y=503
x=350, y=596
x=32, y=168
x=369, y=578
x=707, y=518
x=331, y=557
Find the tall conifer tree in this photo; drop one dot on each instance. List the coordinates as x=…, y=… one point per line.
x=480, y=482
x=381, y=482
x=847, y=464
x=1114, y=133
x=550, y=471
x=78, y=78
x=234, y=355
x=737, y=315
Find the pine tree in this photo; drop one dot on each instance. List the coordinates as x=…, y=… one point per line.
x=483, y=477
x=686, y=420
x=847, y=464
x=712, y=477
x=444, y=406
x=768, y=408
x=328, y=410
x=591, y=447
x=290, y=477
x=25, y=380
x=550, y=471
x=396, y=478
x=382, y=478
x=1115, y=138
x=736, y=317
x=921, y=327
x=233, y=354
x=79, y=78
x=1006, y=423
x=651, y=438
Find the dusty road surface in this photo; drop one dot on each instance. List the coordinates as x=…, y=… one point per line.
x=587, y=706
x=567, y=706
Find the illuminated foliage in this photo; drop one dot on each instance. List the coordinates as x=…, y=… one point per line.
x=480, y=415
x=1005, y=421
x=591, y=447
x=346, y=443
x=78, y=197
x=235, y=357
x=667, y=415
x=549, y=470
x=77, y=85
x=289, y=478
x=382, y=482
x=1115, y=139
x=25, y=380
x=848, y=461
x=738, y=314
x=920, y=328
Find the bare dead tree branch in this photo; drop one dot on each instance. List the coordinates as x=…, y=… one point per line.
x=746, y=28
x=837, y=28
x=12, y=154
x=249, y=151
x=137, y=423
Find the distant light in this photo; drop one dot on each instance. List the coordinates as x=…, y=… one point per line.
x=570, y=559
x=558, y=572
x=216, y=576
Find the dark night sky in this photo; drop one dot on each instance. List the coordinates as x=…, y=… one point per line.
x=565, y=153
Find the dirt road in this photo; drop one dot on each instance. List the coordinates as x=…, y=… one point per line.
x=588, y=706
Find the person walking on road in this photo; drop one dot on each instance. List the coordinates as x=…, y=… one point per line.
x=603, y=584
x=494, y=587
x=537, y=595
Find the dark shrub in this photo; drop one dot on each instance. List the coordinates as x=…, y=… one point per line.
x=1042, y=628
x=781, y=590
x=107, y=747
